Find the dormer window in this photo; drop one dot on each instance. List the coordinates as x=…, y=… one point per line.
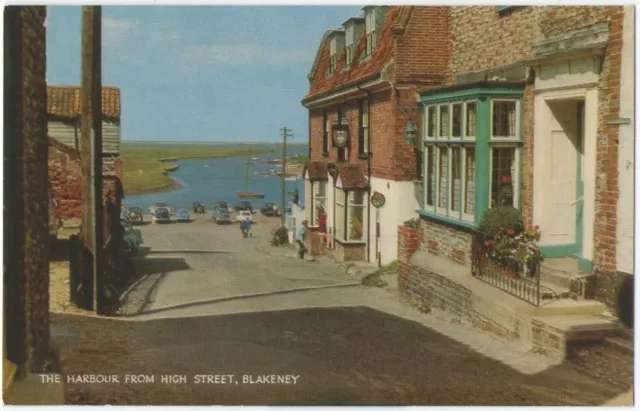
x=333, y=52
x=348, y=56
x=353, y=32
x=371, y=25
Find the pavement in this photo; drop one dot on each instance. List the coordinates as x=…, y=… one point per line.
x=211, y=303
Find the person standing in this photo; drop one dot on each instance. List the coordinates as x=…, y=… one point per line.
x=322, y=230
x=300, y=239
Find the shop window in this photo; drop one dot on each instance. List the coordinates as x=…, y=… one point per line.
x=503, y=171
x=503, y=121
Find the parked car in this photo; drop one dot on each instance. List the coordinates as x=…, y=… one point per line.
x=242, y=215
x=244, y=206
x=135, y=215
x=198, y=208
x=221, y=205
x=270, y=209
x=124, y=214
x=153, y=208
x=131, y=239
x=182, y=215
x=161, y=215
x=221, y=216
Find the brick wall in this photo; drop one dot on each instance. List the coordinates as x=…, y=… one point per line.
x=26, y=206
x=350, y=252
x=513, y=33
x=408, y=243
x=447, y=241
x=65, y=177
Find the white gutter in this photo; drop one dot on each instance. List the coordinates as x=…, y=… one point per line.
x=356, y=88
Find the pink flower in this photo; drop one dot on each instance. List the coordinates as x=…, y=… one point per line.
x=536, y=227
x=511, y=231
x=505, y=179
x=488, y=242
x=497, y=235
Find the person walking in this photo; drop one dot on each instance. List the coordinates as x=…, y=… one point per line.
x=300, y=239
x=245, y=227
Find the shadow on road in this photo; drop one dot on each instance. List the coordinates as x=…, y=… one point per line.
x=343, y=356
x=148, y=266
x=188, y=252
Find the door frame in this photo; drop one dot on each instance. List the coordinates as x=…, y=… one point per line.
x=583, y=249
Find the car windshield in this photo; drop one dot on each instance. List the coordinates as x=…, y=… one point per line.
x=162, y=211
x=135, y=209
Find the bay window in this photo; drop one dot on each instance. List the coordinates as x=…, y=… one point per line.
x=350, y=215
x=471, y=158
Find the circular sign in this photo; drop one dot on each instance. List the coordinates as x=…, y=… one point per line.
x=340, y=138
x=377, y=199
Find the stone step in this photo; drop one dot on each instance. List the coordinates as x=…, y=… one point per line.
x=564, y=273
x=553, y=334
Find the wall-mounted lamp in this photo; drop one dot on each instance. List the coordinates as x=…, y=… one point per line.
x=410, y=133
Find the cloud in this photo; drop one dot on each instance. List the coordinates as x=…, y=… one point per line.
x=116, y=31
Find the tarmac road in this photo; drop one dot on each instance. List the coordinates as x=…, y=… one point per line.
x=341, y=343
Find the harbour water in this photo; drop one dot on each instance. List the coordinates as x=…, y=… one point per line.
x=214, y=179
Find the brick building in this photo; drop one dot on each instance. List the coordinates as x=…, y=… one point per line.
x=26, y=196
x=531, y=117
x=361, y=99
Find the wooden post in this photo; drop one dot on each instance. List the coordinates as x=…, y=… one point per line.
x=285, y=133
x=91, y=153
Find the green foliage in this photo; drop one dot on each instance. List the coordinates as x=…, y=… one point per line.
x=501, y=218
x=412, y=223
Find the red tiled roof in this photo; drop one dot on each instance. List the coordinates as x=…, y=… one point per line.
x=317, y=170
x=352, y=176
x=359, y=71
x=64, y=101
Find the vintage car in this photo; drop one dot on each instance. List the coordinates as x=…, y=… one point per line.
x=221, y=216
x=243, y=215
x=221, y=205
x=131, y=239
x=244, y=206
x=198, y=208
x=182, y=215
x=161, y=215
x=152, y=209
x=135, y=215
x=270, y=209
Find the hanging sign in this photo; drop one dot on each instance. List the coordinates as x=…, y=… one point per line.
x=340, y=136
x=377, y=199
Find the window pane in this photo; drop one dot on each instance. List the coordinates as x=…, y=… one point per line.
x=443, y=174
x=322, y=185
x=502, y=176
x=444, y=121
x=365, y=141
x=504, y=118
x=431, y=118
x=431, y=174
x=456, y=184
x=456, y=128
x=470, y=180
x=471, y=120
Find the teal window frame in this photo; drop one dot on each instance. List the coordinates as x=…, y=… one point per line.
x=483, y=143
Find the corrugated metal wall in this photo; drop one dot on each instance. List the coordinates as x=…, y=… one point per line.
x=66, y=133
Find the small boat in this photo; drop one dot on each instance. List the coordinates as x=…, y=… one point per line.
x=242, y=194
x=254, y=159
x=291, y=179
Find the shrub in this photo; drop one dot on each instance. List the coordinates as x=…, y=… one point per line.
x=412, y=223
x=501, y=218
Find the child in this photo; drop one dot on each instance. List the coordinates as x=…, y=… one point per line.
x=302, y=234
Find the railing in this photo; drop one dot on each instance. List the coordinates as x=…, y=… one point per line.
x=507, y=274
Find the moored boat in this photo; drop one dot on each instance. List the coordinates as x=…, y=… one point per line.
x=243, y=194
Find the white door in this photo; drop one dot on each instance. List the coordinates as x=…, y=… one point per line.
x=560, y=201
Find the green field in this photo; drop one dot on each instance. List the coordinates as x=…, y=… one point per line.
x=146, y=165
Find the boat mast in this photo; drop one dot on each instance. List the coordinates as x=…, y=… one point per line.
x=246, y=177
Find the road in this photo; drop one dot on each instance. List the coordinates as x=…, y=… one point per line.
x=214, y=303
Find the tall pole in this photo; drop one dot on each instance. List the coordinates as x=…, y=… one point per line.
x=285, y=133
x=91, y=153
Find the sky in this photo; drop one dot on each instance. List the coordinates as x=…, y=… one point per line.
x=201, y=73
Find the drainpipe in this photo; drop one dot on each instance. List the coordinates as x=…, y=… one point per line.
x=369, y=177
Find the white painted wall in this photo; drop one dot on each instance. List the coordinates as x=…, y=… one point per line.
x=624, y=247
x=401, y=205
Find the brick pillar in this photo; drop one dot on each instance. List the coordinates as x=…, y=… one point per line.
x=26, y=197
x=408, y=243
